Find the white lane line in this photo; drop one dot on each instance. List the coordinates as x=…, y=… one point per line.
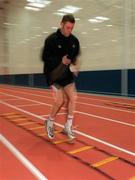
x=89, y=104
x=106, y=107
x=22, y=98
x=27, y=105
x=22, y=158
x=89, y=95
x=106, y=143
x=88, y=114
x=45, y=115
x=10, y=99
x=106, y=119
x=78, y=132
x=105, y=95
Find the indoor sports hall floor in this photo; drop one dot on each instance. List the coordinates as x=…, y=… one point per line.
x=104, y=147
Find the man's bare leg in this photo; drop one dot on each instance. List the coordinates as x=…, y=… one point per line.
x=58, y=95
x=70, y=90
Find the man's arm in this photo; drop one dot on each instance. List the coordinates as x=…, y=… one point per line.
x=49, y=56
x=60, y=69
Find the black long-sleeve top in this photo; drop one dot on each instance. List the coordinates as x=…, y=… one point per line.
x=56, y=46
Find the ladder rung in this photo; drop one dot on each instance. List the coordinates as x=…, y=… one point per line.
x=26, y=123
x=80, y=149
x=20, y=119
x=62, y=141
x=13, y=116
x=6, y=114
x=42, y=134
x=105, y=161
x=132, y=178
x=37, y=127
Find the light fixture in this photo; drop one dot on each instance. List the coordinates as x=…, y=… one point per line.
x=93, y=20
x=102, y=18
x=39, y=1
x=31, y=8
x=96, y=29
x=98, y=19
x=114, y=40
x=69, y=9
x=54, y=27
x=84, y=32
x=39, y=4
x=109, y=25
x=59, y=13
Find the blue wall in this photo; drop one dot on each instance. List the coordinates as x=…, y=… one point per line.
x=101, y=82
x=131, y=81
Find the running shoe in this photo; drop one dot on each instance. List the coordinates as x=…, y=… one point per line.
x=68, y=131
x=49, y=128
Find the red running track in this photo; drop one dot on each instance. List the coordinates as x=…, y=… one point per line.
x=104, y=123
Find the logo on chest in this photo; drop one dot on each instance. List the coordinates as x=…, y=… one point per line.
x=59, y=46
x=73, y=46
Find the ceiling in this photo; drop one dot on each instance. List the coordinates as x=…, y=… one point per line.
x=105, y=28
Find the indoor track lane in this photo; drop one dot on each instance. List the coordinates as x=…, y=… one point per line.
x=105, y=130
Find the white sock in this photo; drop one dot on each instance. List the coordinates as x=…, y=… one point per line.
x=51, y=122
x=69, y=121
x=50, y=118
x=69, y=117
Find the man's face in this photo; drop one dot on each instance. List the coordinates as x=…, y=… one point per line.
x=66, y=28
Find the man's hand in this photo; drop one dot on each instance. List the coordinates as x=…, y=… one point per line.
x=74, y=69
x=65, y=60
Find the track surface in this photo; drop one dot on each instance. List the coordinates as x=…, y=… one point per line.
x=104, y=147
